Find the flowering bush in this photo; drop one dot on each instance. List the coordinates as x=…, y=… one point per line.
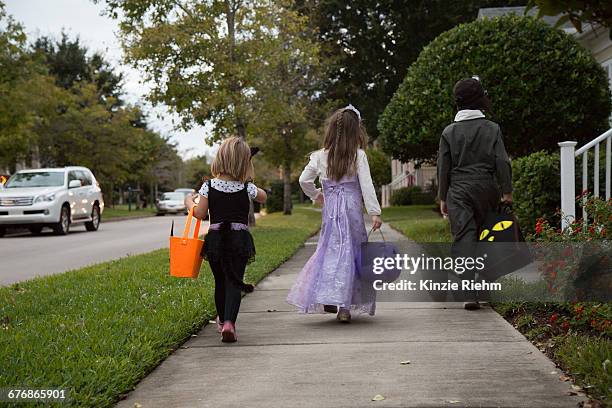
x=597, y=227
x=563, y=265
x=582, y=317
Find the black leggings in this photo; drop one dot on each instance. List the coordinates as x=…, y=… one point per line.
x=227, y=295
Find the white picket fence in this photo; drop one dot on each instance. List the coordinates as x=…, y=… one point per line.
x=568, y=173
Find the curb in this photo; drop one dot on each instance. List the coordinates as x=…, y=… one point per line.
x=116, y=219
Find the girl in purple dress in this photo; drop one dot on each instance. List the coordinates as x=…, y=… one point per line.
x=329, y=281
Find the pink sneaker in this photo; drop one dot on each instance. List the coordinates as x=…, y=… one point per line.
x=228, y=333
x=219, y=325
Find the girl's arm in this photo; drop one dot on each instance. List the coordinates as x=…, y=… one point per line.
x=199, y=210
x=367, y=189
x=256, y=193
x=261, y=196
x=308, y=176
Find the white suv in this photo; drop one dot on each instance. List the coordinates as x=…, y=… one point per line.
x=54, y=198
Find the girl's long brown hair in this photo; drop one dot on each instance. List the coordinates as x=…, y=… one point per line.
x=343, y=137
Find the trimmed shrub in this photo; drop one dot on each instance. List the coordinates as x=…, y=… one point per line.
x=537, y=189
x=401, y=196
x=411, y=195
x=544, y=86
x=422, y=198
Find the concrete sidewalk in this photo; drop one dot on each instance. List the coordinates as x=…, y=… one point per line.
x=457, y=358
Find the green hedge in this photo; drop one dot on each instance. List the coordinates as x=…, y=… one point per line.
x=411, y=196
x=537, y=189
x=545, y=88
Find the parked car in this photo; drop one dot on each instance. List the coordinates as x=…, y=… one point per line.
x=55, y=198
x=173, y=202
x=185, y=191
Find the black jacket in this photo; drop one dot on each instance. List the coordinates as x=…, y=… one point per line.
x=472, y=150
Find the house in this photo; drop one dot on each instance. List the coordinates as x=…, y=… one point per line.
x=595, y=39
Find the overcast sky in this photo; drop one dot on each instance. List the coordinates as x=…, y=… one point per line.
x=98, y=33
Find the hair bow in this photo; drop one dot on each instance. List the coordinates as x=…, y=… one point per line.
x=353, y=109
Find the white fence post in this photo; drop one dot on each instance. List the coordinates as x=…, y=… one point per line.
x=568, y=183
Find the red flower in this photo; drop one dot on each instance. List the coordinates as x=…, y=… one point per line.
x=565, y=326
x=538, y=227
x=578, y=309
x=554, y=318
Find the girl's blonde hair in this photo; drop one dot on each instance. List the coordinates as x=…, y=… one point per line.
x=233, y=159
x=344, y=135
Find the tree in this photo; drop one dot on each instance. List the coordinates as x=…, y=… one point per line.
x=18, y=75
x=578, y=12
x=202, y=58
x=368, y=45
x=544, y=86
x=196, y=169
x=68, y=61
x=237, y=64
x=286, y=91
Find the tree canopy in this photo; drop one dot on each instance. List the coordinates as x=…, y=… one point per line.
x=368, y=45
x=544, y=86
x=578, y=12
x=61, y=105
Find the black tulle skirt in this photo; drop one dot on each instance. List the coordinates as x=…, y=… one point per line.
x=234, y=243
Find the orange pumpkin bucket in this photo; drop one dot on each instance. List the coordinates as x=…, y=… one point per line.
x=185, y=258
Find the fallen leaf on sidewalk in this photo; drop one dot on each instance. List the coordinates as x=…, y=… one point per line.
x=378, y=397
x=405, y=362
x=576, y=388
x=564, y=378
x=212, y=321
x=137, y=405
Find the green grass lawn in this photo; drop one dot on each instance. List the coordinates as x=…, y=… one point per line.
x=122, y=211
x=98, y=330
x=418, y=222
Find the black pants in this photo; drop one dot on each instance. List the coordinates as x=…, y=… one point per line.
x=468, y=203
x=227, y=295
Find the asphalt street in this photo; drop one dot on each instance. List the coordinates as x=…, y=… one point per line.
x=24, y=256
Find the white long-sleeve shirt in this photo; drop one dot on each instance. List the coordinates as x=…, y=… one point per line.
x=317, y=167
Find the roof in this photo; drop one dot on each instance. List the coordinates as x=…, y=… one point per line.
x=492, y=12
x=53, y=169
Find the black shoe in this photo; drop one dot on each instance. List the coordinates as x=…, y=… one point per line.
x=330, y=309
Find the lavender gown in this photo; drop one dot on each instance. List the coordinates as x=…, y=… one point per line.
x=331, y=275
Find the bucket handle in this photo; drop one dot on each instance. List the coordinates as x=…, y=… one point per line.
x=196, y=230
x=381, y=234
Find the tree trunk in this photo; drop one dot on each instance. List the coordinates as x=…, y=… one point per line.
x=287, y=205
x=287, y=188
x=110, y=204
